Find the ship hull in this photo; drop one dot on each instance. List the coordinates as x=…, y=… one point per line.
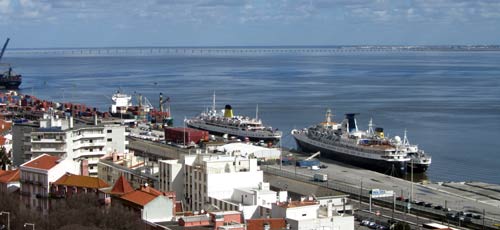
x=10, y=84
x=396, y=168
x=234, y=133
x=418, y=168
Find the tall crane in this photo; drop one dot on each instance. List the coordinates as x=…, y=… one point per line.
x=4, y=47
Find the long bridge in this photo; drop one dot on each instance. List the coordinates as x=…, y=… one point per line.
x=231, y=51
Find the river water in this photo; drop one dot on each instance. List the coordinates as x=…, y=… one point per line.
x=448, y=101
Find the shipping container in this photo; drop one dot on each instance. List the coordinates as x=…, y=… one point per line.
x=181, y=135
x=309, y=163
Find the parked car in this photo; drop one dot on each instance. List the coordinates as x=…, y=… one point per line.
x=438, y=207
x=365, y=222
x=421, y=203
x=476, y=216
x=372, y=225
x=400, y=198
x=323, y=166
x=429, y=205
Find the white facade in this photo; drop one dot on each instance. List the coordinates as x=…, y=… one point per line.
x=59, y=137
x=158, y=210
x=250, y=151
x=35, y=182
x=310, y=214
x=203, y=181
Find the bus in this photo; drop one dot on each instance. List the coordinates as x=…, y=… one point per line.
x=437, y=226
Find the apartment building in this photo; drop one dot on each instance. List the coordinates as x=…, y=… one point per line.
x=82, y=143
x=218, y=182
x=37, y=175
x=137, y=170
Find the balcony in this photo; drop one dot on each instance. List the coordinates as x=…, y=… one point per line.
x=48, y=150
x=47, y=140
x=88, y=144
x=90, y=135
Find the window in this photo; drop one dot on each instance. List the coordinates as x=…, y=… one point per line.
x=109, y=131
x=110, y=140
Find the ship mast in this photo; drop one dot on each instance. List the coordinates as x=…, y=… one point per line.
x=370, y=127
x=406, y=142
x=257, y=112
x=328, y=116
x=213, y=102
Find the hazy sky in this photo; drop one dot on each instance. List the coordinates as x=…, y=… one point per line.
x=91, y=23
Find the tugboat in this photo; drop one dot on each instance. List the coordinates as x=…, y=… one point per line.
x=224, y=122
x=9, y=79
x=367, y=149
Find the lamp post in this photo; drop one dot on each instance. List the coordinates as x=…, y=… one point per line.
x=29, y=224
x=8, y=218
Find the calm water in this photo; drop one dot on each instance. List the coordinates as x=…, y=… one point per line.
x=448, y=101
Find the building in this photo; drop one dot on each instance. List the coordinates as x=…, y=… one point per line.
x=154, y=206
x=220, y=220
x=69, y=185
x=9, y=181
x=208, y=179
x=250, y=151
x=21, y=141
x=267, y=223
x=82, y=143
x=38, y=174
x=218, y=182
x=137, y=170
x=308, y=213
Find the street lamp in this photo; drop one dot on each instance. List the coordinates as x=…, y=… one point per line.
x=29, y=224
x=8, y=218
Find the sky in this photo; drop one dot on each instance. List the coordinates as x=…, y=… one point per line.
x=125, y=23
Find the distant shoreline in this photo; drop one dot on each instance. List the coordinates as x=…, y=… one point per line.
x=357, y=47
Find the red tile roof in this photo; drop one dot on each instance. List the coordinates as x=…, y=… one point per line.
x=81, y=181
x=258, y=224
x=9, y=176
x=144, y=195
x=139, y=197
x=43, y=161
x=121, y=186
x=2, y=140
x=5, y=126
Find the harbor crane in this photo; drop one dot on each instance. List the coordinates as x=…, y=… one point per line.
x=312, y=156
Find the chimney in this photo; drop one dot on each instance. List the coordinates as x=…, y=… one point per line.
x=70, y=122
x=95, y=119
x=84, y=168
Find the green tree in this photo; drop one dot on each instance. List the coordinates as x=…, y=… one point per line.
x=4, y=158
x=402, y=226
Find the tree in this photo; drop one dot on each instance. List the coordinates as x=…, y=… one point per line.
x=402, y=226
x=4, y=158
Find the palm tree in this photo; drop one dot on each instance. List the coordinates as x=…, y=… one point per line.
x=4, y=158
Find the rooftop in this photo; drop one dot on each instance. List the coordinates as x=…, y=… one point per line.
x=81, y=181
x=297, y=203
x=9, y=176
x=44, y=162
x=139, y=197
x=121, y=186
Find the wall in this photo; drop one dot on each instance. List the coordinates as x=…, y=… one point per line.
x=158, y=210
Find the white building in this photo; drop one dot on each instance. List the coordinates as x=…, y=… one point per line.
x=217, y=182
x=311, y=214
x=82, y=143
x=37, y=174
x=249, y=150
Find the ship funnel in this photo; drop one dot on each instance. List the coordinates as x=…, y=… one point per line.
x=228, y=111
x=351, y=122
x=379, y=132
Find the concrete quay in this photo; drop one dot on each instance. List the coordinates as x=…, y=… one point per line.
x=351, y=180
x=470, y=197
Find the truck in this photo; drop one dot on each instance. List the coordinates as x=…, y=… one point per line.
x=320, y=177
